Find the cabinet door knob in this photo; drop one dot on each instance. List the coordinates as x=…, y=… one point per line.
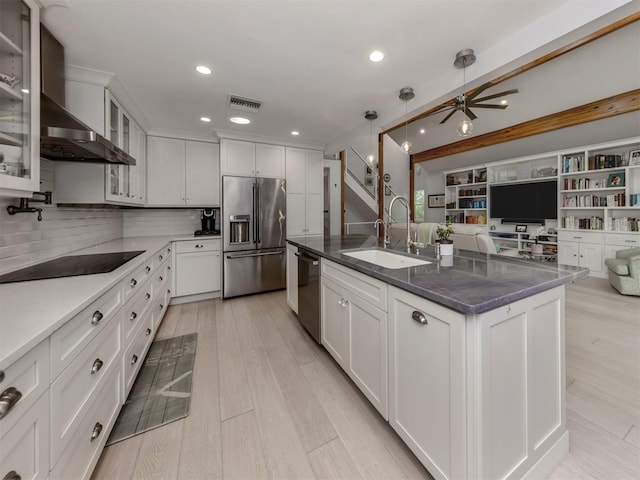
x=97, y=365
x=96, y=317
x=133, y=316
x=12, y=475
x=8, y=400
x=161, y=306
x=160, y=278
x=1, y=376
x=419, y=317
x=134, y=359
x=148, y=332
x=161, y=257
x=97, y=429
x=133, y=282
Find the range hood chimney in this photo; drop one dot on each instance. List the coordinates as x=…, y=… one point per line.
x=63, y=136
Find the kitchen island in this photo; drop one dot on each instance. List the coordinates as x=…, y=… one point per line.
x=464, y=356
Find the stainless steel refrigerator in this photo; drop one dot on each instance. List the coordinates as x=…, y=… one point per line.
x=254, y=229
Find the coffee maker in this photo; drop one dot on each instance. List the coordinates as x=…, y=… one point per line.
x=210, y=219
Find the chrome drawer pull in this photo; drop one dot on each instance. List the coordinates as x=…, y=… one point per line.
x=199, y=246
x=8, y=400
x=148, y=269
x=160, y=278
x=96, y=317
x=133, y=316
x=148, y=332
x=161, y=306
x=161, y=257
x=97, y=365
x=134, y=359
x=419, y=317
x=12, y=475
x=133, y=282
x=97, y=428
x=147, y=296
x=1, y=376
x=168, y=267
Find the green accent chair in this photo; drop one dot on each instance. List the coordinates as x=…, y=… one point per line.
x=624, y=271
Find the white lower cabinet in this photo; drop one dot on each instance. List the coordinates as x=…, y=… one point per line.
x=354, y=331
x=581, y=249
x=472, y=395
x=292, y=277
x=24, y=449
x=426, y=378
x=197, y=268
x=91, y=431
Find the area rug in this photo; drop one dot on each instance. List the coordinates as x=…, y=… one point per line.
x=161, y=393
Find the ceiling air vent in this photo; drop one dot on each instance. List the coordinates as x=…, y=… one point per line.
x=244, y=104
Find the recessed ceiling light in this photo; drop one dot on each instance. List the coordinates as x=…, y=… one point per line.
x=205, y=119
x=295, y=132
x=504, y=102
x=376, y=56
x=203, y=70
x=239, y=120
x=422, y=130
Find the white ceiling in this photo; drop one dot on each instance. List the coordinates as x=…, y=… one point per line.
x=306, y=60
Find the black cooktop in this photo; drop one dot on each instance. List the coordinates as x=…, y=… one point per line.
x=71, y=266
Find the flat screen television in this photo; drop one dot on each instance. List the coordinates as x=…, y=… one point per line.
x=524, y=202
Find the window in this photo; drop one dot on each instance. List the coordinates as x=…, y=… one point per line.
x=418, y=206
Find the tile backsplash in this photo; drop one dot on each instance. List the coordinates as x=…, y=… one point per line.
x=24, y=240
x=142, y=222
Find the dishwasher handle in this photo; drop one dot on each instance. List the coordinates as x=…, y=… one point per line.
x=307, y=258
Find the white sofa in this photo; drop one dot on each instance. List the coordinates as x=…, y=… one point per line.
x=465, y=237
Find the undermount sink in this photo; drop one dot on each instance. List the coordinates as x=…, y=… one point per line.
x=386, y=259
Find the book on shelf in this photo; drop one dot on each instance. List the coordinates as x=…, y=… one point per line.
x=600, y=161
x=634, y=199
x=623, y=224
x=589, y=223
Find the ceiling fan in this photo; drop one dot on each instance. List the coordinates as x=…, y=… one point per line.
x=465, y=103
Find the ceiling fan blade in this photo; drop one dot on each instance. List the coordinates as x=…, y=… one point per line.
x=478, y=91
x=489, y=105
x=449, y=116
x=496, y=95
x=469, y=113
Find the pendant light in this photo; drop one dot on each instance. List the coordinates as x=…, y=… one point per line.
x=371, y=115
x=463, y=59
x=406, y=94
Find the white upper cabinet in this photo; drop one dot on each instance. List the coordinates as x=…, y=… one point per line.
x=19, y=98
x=183, y=173
x=250, y=159
x=305, y=199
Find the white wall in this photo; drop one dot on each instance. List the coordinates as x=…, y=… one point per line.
x=396, y=164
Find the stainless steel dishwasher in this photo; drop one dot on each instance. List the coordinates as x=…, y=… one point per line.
x=309, y=292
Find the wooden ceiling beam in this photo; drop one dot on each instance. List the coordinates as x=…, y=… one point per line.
x=598, y=110
x=634, y=17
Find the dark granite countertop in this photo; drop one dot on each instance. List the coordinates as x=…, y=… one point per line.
x=475, y=283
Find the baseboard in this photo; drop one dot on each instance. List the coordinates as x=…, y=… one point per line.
x=194, y=298
x=547, y=464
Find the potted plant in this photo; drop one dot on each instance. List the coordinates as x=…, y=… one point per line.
x=444, y=232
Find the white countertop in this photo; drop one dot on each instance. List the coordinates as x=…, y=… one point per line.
x=31, y=311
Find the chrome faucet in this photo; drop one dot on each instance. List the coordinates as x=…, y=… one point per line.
x=404, y=202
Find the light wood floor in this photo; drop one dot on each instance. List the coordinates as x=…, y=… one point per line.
x=269, y=403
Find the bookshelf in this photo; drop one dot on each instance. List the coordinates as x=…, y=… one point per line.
x=466, y=196
x=598, y=201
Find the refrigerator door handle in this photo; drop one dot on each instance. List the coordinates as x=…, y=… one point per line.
x=258, y=207
x=254, y=188
x=245, y=255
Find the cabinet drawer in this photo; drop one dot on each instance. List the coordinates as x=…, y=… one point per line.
x=25, y=380
x=25, y=448
x=71, y=392
x=368, y=288
x=163, y=254
x=69, y=340
x=135, y=310
x=582, y=237
x=627, y=240
x=134, y=355
x=198, y=245
x=92, y=430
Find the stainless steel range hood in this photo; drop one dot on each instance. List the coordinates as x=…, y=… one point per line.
x=63, y=136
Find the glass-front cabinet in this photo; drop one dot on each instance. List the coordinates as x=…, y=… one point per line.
x=19, y=98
